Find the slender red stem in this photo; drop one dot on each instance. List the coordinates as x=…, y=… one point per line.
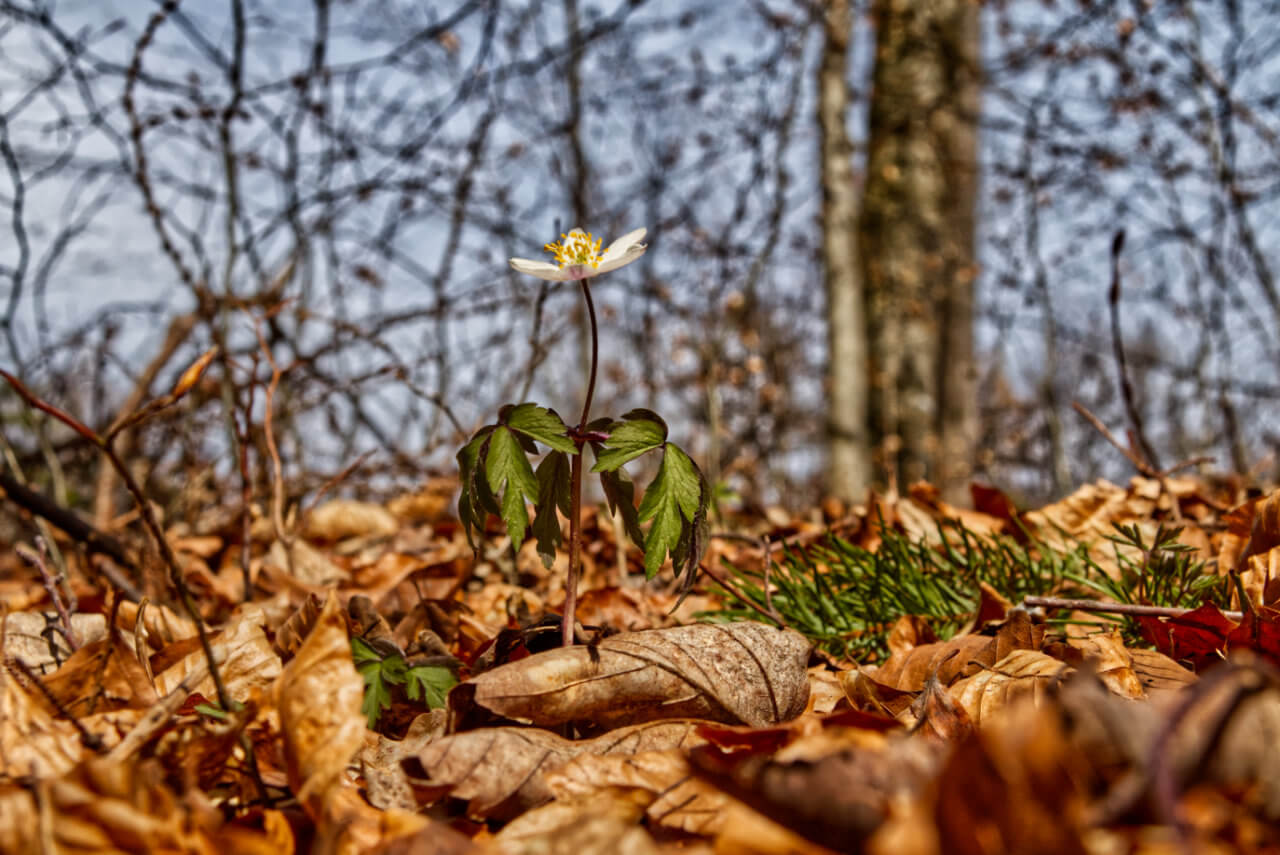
x=575, y=485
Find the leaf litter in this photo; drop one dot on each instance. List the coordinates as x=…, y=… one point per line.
x=983, y=723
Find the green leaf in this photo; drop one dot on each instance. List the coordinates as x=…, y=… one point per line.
x=553, y=492
x=475, y=499
x=620, y=492
x=507, y=470
x=430, y=683
x=628, y=439
x=672, y=501
x=542, y=424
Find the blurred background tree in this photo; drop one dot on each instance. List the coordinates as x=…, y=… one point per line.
x=337, y=183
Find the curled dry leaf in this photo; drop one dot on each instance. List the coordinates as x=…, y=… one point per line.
x=32, y=742
x=319, y=694
x=1106, y=654
x=909, y=667
x=740, y=672
x=32, y=637
x=605, y=822
x=244, y=655
x=1251, y=547
x=500, y=770
x=677, y=798
x=108, y=806
x=1023, y=673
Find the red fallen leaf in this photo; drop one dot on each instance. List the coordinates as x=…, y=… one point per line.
x=1259, y=631
x=1205, y=634
x=992, y=501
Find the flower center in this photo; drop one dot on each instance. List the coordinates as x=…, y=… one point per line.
x=577, y=247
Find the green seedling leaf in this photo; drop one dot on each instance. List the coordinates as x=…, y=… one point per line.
x=553, y=492
x=507, y=471
x=542, y=424
x=475, y=500
x=620, y=492
x=672, y=501
x=430, y=683
x=216, y=711
x=628, y=439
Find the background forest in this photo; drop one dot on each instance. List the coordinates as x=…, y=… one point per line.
x=877, y=253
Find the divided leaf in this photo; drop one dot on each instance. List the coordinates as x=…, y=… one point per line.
x=673, y=502
x=620, y=492
x=553, y=492
x=542, y=424
x=507, y=470
x=475, y=500
x=638, y=431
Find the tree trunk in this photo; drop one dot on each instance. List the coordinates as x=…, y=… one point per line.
x=849, y=458
x=916, y=241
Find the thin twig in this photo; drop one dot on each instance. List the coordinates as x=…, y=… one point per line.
x=1116, y=608
x=1117, y=344
x=36, y=559
x=89, y=740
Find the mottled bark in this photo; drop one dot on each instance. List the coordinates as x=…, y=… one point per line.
x=849, y=458
x=916, y=240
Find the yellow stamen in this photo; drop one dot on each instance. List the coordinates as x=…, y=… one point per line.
x=576, y=248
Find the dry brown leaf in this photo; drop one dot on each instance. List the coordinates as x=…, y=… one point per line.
x=1158, y=673
x=963, y=656
x=32, y=742
x=1106, y=654
x=304, y=563
x=1251, y=547
x=108, y=806
x=101, y=676
x=244, y=656
x=501, y=770
x=386, y=784
x=1015, y=787
x=339, y=519
x=677, y=799
x=33, y=637
x=740, y=672
x=605, y=822
x=319, y=694
x=834, y=789
x=1023, y=673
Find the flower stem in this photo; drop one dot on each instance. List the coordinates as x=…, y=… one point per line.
x=575, y=485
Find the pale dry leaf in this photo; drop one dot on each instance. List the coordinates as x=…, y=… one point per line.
x=605, y=822
x=108, y=806
x=32, y=742
x=678, y=799
x=1023, y=673
x=500, y=771
x=242, y=652
x=1112, y=661
x=386, y=784
x=303, y=562
x=1158, y=673
x=33, y=637
x=740, y=672
x=339, y=519
x=319, y=695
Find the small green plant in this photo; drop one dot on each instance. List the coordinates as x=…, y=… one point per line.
x=1161, y=572
x=845, y=597
x=422, y=683
x=497, y=476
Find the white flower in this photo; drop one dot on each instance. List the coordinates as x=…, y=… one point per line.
x=578, y=256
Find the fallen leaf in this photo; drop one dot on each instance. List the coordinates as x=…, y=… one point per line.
x=501, y=771
x=339, y=519
x=1022, y=674
x=740, y=672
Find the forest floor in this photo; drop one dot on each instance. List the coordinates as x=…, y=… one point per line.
x=895, y=677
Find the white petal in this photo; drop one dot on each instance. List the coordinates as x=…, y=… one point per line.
x=622, y=244
x=543, y=270
x=620, y=260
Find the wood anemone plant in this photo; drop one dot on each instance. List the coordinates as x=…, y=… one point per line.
x=497, y=476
